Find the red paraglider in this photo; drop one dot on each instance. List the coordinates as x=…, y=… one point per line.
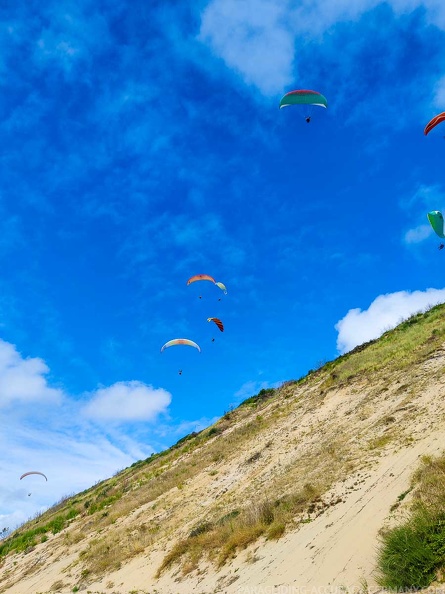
x=217, y=322
x=433, y=123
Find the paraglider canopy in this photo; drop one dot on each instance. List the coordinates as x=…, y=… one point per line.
x=217, y=322
x=433, y=123
x=303, y=97
x=200, y=277
x=33, y=472
x=179, y=341
x=222, y=287
x=435, y=218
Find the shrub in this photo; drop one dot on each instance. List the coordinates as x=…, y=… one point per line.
x=412, y=553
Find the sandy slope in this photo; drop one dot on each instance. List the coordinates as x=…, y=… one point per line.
x=335, y=550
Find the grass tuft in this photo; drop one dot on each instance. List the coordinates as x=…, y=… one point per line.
x=413, y=554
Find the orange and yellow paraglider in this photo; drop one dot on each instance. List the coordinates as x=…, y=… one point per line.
x=201, y=277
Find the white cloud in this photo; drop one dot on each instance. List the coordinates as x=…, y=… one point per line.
x=385, y=312
x=23, y=380
x=127, y=401
x=418, y=234
x=253, y=38
x=257, y=38
x=72, y=451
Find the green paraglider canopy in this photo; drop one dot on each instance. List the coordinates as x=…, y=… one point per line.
x=303, y=97
x=435, y=218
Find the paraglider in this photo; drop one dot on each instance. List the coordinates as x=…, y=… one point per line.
x=435, y=218
x=217, y=322
x=33, y=472
x=200, y=277
x=207, y=277
x=433, y=123
x=304, y=97
x=222, y=287
x=179, y=341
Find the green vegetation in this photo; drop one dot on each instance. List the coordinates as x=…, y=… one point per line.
x=24, y=540
x=262, y=396
x=413, y=555
x=413, y=341
x=109, y=552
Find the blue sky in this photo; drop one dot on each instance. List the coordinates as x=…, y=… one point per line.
x=141, y=143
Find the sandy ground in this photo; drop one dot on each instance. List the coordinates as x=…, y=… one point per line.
x=333, y=552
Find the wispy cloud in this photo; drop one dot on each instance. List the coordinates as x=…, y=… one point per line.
x=251, y=388
x=253, y=38
x=418, y=234
x=23, y=380
x=439, y=94
x=416, y=207
x=385, y=312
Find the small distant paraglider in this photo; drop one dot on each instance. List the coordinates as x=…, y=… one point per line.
x=33, y=472
x=304, y=97
x=433, y=123
x=179, y=341
x=217, y=322
x=435, y=218
x=222, y=287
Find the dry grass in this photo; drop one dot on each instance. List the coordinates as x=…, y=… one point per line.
x=429, y=480
x=222, y=539
x=111, y=551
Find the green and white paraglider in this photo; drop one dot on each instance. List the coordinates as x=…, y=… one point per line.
x=435, y=218
x=304, y=97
